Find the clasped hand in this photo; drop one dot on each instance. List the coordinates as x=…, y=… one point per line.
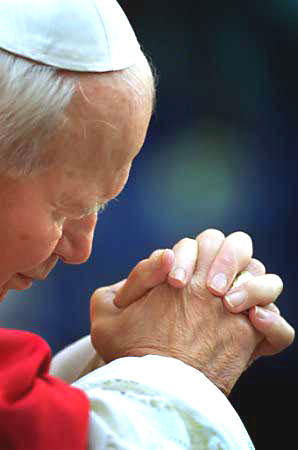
x=179, y=303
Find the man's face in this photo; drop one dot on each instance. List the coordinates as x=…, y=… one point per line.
x=53, y=215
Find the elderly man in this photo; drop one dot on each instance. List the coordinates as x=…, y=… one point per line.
x=76, y=97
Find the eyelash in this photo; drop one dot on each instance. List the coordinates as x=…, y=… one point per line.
x=101, y=208
x=62, y=216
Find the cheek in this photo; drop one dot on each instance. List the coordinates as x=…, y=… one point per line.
x=29, y=243
x=36, y=248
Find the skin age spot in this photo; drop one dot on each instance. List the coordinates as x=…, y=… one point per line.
x=36, y=229
x=24, y=237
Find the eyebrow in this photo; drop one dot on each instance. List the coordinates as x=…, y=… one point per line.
x=99, y=207
x=85, y=211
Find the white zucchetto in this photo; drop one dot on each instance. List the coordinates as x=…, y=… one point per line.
x=78, y=35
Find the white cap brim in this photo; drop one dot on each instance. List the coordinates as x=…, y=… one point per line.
x=77, y=35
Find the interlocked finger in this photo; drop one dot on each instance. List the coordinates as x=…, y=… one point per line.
x=261, y=290
x=277, y=331
x=209, y=244
x=185, y=252
x=233, y=257
x=147, y=274
x=273, y=308
x=255, y=267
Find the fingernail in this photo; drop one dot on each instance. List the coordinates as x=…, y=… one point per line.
x=219, y=282
x=262, y=313
x=178, y=274
x=235, y=298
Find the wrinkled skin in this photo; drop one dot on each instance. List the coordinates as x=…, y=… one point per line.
x=47, y=216
x=190, y=324
x=52, y=215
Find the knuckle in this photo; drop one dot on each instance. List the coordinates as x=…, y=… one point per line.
x=139, y=268
x=95, y=311
x=275, y=285
x=272, y=307
x=291, y=335
x=240, y=235
x=155, y=253
x=187, y=241
x=96, y=294
x=95, y=302
x=227, y=260
x=256, y=266
x=278, y=281
x=242, y=241
x=196, y=287
x=211, y=233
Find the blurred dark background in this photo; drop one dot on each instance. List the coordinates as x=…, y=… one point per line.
x=221, y=152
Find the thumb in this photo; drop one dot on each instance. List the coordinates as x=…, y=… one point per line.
x=102, y=300
x=146, y=275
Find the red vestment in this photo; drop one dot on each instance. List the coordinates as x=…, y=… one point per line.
x=37, y=411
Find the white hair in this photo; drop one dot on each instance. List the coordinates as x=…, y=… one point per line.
x=33, y=102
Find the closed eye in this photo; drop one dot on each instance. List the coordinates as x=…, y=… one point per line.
x=78, y=213
x=94, y=210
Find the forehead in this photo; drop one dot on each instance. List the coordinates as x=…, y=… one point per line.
x=107, y=121
x=106, y=124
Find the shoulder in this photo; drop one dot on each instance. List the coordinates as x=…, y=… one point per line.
x=22, y=343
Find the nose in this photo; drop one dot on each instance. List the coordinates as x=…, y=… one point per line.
x=75, y=245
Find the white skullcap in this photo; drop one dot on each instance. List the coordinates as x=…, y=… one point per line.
x=78, y=35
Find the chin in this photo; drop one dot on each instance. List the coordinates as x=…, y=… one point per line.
x=18, y=282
